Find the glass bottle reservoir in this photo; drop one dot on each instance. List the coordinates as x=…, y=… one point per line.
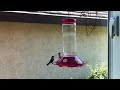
x=69, y=58
x=69, y=37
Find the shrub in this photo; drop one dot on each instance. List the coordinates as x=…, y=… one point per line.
x=100, y=72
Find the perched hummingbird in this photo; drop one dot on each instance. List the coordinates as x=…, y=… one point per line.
x=51, y=60
x=59, y=55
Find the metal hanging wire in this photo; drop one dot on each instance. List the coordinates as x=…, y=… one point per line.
x=92, y=28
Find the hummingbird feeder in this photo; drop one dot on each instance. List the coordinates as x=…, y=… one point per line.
x=69, y=57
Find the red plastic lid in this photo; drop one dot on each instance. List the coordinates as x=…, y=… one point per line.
x=68, y=21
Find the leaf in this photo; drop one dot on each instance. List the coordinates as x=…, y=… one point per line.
x=99, y=73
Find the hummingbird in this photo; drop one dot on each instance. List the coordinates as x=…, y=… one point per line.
x=51, y=60
x=59, y=55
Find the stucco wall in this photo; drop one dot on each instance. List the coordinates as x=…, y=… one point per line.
x=26, y=48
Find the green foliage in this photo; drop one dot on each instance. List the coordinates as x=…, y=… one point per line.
x=100, y=72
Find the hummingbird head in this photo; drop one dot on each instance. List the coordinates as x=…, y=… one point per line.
x=52, y=57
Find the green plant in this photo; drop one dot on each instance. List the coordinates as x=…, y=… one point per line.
x=100, y=72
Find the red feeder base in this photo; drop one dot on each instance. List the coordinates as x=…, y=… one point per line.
x=69, y=61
